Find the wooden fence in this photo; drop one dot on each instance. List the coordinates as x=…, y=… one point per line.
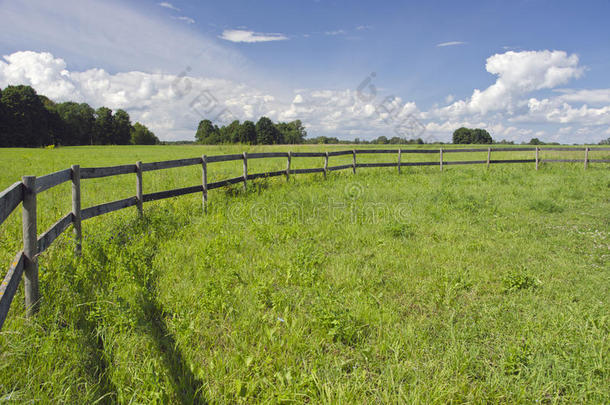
x=25, y=263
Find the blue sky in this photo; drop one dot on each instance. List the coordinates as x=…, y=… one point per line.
x=520, y=69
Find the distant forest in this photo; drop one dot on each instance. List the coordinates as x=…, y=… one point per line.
x=28, y=119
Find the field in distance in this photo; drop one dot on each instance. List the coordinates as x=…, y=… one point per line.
x=471, y=285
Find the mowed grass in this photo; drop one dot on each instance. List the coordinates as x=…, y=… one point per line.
x=471, y=285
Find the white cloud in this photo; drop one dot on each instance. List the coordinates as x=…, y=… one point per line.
x=251, y=36
x=169, y=5
x=449, y=98
x=188, y=20
x=450, y=43
x=519, y=73
x=596, y=96
x=335, y=32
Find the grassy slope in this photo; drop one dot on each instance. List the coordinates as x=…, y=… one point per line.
x=472, y=285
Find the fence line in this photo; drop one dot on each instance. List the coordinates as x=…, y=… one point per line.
x=25, y=192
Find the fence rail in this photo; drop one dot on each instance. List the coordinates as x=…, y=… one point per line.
x=25, y=192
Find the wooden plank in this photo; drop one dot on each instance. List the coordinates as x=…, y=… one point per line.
x=309, y=154
x=267, y=155
x=139, y=189
x=465, y=162
x=245, y=176
x=488, y=157
x=288, y=166
x=47, y=238
x=420, y=164
x=10, y=199
x=563, y=149
x=254, y=176
x=325, y=164
x=464, y=150
x=561, y=160
x=168, y=164
x=354, y=161
x=76, y=210
x=314, y=170
x=399, y=159
x=514, y=161
x=340, y=167
x=586, y=157
x=441, y=158
x=9, y=285
x=204, y=182
x=97, y=172
x=30, y=246
x=340, y=153
x=367, y=151
x=51, y=180
x=600, y=149
x=226, y=182
x=600, y=160
x=225, y=158
x=172, y=193
x=528, y=149
x=108, y=207
x=537, y=157
x=391, y=164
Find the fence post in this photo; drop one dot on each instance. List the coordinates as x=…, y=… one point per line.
x=354, y=163
x=399, y=158
x=245, y=171
x=139, y=188
x=586, y=157
x=537, y=160
x=488, y=156
x=30, y=246
x=288, y=166
x=441, y=160
x=325, y=164
x=76, y=208
x=204, y=181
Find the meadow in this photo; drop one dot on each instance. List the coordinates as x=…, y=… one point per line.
x=471, y=285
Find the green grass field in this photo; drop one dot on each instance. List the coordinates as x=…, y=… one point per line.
x=471, y=285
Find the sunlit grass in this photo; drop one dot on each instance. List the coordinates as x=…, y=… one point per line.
x=470, y=285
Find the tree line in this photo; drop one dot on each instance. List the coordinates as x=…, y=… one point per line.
x=28, y=119
x=264, y=132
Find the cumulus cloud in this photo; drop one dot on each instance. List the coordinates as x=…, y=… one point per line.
x=173, y=104
x=251, y=36
x=519, y=73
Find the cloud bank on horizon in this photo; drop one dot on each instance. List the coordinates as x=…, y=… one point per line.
x=172, y=105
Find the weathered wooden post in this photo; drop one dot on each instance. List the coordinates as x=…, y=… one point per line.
x=30, y=246
x=488, y=157
x=204, y=181
x=399, y=158
x=586, y=157
x=139, y=188
x=441, y=161
x=76, y=210
x=537, y=159
x=325, y=164
x=245, y=171
x=354, y=163
x=288, y=166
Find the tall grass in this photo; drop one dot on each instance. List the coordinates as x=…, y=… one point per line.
x=470, y=285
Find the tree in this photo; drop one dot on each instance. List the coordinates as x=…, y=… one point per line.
x=267, y=133
x=104, y=126
x=25, y=119
x=78, y=123
x=207, y=133
x=535, y=141
x=466, y=135
x=247, y=133
x=292, y=132
x=605, y=141
x=140, y=135
x=121, y=131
